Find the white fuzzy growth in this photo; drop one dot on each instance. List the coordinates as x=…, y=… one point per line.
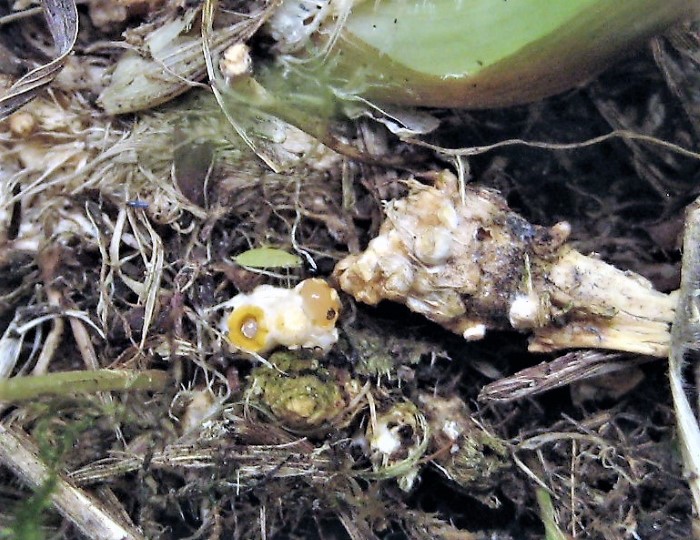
x=296, y=20
x=433, y=246
x=289, y=324
x=399, y=282
x=525, y=311
x=202, y=406
x=475, y=332
x=385, y=440
x=236, y=61
x=448, y=216
x=418, y=305
x=22, y=123
x=451, y=429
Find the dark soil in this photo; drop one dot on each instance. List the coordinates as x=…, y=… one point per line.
x=605, y=450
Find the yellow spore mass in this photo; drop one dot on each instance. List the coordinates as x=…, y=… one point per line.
x=247, y=329
x=302, y=317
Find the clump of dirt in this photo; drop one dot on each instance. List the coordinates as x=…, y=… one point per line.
x=118, y=236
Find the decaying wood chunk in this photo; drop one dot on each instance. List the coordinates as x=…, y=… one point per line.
x=469, y=263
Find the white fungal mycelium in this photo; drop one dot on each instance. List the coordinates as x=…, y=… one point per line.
x=397, y=439
x=296, y=21
x=269, y=316
x=236, y=61
x=463, y=259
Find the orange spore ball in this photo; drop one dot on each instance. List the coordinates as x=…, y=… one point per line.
x=321, y=302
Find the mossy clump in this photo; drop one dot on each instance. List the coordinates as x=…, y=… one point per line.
x=464, y=451
x=398, y=438
x=298, y=392
x=385, y=351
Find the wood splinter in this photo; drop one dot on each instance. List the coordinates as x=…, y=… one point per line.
x=466, y=261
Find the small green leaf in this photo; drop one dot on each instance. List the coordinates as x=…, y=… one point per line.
x=266, y=257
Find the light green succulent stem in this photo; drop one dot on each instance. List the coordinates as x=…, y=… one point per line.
x=548, y=516
x=82, y=381
x=485, y=53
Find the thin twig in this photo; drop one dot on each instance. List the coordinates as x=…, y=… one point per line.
x=572, y=367
x=19, y=15
x=82, y=381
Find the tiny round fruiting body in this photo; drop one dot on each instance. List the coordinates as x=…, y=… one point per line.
x=22, y=123
x=320, y=302
x=526, y=312
x=247, y=328
x=236, y=61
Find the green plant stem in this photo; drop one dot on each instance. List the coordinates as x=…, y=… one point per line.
x=551, y=529
x=84, y=381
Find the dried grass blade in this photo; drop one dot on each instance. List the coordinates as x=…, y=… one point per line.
x=62, y=20
x=10, y=348
x=106, y=274
x=549, y=516
x=172, y=66
x=572, y=367
x=685, y=334
x=154, y=275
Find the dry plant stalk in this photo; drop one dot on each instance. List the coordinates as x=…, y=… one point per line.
x=572, y=367
x=684, y=339
x=463, y=259
x=19, y=454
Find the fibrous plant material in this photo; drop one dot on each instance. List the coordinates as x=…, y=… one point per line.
x=62, y=20
x=25, y=388
x=683, y=340
x=461, y=449
x=398, y=438
x=573, y=366
x=173, y=62
x=152, y=219
x=463, y=259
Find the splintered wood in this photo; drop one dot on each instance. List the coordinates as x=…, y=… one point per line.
x=464, y=260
